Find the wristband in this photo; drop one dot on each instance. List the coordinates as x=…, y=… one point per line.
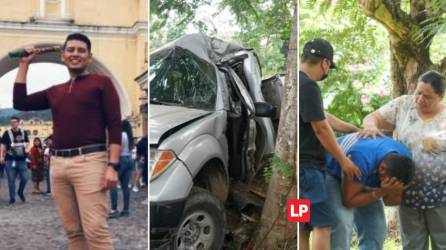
x=114, y=165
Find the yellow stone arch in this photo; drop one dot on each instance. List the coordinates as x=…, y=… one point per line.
x=117, y=29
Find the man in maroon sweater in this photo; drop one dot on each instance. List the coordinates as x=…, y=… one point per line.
x=83, y=109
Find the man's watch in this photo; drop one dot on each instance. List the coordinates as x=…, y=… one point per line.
x=114, y=165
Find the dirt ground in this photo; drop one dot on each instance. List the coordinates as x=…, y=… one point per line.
x=34, y=225
x=243, y=210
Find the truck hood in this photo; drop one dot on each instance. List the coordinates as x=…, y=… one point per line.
x=167, y=118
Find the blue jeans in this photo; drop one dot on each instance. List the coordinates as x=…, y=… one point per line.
x=145, y=172
x=21, y=170
x=368, y=221
x=47, y=177
x=2, y=170
x=125, y=169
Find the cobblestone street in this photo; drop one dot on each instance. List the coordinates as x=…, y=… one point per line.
x=35, y=225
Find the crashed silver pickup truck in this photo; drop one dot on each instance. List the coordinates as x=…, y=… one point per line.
x=209, y=124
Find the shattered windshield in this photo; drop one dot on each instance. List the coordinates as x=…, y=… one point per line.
x=179, y=78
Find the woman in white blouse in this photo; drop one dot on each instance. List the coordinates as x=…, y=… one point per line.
x=419, y=122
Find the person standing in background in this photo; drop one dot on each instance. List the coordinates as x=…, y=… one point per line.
x=125, y=169
x=37, y=164
x=47, y=160
x=13, y=155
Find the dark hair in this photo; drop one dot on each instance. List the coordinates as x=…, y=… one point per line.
x=14, y=118
x=50, y=137
x=435, y=79
x=400, y=167
x=127, y=128
x=310, y=59
x=40, y=141
x=80, y=37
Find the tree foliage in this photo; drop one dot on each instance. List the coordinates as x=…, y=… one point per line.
x=164, y=9
x=360, y=84
x=264, y=25
x=381, y=47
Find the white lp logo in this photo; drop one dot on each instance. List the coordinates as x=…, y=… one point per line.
x=302, y=209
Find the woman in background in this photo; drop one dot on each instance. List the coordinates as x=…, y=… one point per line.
x=37, y=164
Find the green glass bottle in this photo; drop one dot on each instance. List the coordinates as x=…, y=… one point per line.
x=22, y=52
x=18, y=53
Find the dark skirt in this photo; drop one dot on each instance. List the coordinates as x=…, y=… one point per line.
x=37, y=174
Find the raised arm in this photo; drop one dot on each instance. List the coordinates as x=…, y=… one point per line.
x=21, y=100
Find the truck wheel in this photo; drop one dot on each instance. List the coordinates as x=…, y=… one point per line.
x=202, y=226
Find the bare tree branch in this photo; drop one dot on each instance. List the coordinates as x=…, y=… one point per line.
x=389, y=14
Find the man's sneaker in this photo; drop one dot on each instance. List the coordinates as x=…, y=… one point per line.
x=11, y=204
x=113, y=214
x=135, y=189
x=124, y=213
x=145, y=202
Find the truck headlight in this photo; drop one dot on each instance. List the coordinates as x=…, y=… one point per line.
x=160, y=161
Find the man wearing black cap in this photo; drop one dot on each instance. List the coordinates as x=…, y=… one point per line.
x=86, y=115
x=315, y=136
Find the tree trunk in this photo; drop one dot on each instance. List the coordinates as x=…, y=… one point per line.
x=274, y=228
x=407, y=65
x=409, y=48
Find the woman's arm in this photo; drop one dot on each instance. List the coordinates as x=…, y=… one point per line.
x=374, y=124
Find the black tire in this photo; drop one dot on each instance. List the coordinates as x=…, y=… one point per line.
x=202, y=226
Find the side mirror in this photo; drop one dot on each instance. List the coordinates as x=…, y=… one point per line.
x=264, y=109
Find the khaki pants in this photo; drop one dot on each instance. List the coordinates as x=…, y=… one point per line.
x=81, y=201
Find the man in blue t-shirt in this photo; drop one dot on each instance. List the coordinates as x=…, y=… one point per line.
x=386, y=168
